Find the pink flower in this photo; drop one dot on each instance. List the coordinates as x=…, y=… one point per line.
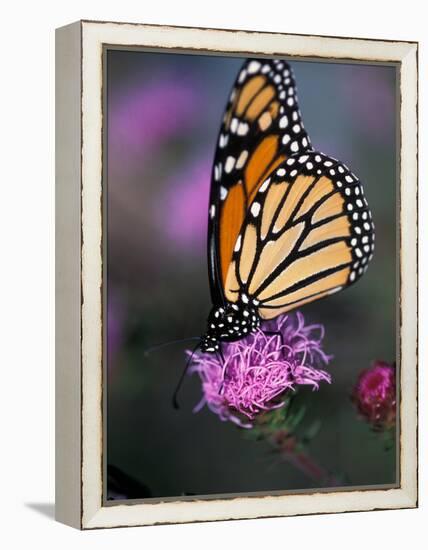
x=374, y=395
x=187, y=228
x=258, y=370
x=144, y=115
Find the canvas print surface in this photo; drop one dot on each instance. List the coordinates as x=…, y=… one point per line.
x=251, y=275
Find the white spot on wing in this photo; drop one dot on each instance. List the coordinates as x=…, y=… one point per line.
x=253, y=67
x=241, y=159
x=242, y=76
x=255, y=209
x=216, y=176
x=283, y=122
x=242, y=129
x=223, y=140
x=265, y=185
x=229, y=164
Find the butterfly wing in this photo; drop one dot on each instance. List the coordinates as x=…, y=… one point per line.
x=262, y=127
x=308, y=233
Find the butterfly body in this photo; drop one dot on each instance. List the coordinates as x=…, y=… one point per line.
x=230, y=322
x=287, y=224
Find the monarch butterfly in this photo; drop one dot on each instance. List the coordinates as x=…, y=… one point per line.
x=287, y=224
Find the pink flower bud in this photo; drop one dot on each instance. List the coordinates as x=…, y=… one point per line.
x=374, y=395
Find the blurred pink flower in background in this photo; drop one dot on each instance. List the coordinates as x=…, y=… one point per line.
x=148, y=114
x=374, y=395
x=260, y=368
x=148, y=121
x=186, y=200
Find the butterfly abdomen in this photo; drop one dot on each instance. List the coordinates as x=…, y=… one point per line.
x=229, y=323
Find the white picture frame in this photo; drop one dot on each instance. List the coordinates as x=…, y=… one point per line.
x=79, y=272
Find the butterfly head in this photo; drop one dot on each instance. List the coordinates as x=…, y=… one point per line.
x=229, y=323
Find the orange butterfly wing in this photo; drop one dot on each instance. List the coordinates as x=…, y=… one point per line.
x=308, y=233
x=262, y=127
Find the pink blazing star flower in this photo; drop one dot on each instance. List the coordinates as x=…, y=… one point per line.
x=258, y=370
x=374, y=395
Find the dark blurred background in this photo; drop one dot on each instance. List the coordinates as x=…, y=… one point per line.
x=163, y=116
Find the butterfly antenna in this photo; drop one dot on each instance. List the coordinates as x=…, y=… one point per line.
x=183, y=374
x=169, y=343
